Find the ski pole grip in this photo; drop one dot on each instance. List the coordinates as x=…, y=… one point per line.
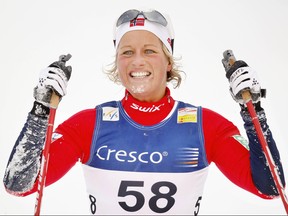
x=65, y=58
x=55, y=100
x=230, y=64
x=228, y=60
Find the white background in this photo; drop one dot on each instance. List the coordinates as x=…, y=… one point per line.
x=34, y=33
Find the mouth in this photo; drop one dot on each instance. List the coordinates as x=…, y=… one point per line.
x=140, y=74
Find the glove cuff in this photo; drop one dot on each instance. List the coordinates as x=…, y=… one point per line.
x=40, y=110
x=257, y=107
x=42, y=95
x=246, y=115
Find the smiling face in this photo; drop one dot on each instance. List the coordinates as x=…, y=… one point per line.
x=142, y=65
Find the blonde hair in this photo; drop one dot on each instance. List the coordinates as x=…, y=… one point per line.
x=173, y=76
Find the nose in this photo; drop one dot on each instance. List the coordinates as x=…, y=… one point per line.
x=138, y=60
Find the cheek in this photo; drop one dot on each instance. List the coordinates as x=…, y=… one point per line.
x=121, y=75
x=122, y=62
x=165, y=67
x=121, y=66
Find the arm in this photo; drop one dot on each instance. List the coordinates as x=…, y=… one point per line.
x=71, y=143
x=243, y=81
x=232, y=155
x=261, y=173
x=228, y=150
x=24, y=162
x=246, y=90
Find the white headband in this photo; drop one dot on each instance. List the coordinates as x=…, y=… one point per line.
x=164, y=33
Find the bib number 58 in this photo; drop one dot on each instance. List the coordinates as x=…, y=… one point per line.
x=125, y=190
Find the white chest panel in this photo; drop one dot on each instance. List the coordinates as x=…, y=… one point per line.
x=144, y=193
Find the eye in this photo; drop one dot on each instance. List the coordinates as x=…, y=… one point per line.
x=149, y=51
x=127, y=52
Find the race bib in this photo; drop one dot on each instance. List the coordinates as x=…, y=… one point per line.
x=143, y=193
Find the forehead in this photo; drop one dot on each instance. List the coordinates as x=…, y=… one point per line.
x=139, y=37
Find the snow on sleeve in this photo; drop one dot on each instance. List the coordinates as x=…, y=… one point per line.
x=25, y=159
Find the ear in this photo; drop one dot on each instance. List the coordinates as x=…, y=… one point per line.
x=169, y=67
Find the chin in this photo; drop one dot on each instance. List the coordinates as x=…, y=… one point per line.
x=139, y=89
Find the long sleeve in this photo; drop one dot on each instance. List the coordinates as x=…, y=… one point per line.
x=241, y=161
x=261, y=173
x=70, y=143
x=25, y=159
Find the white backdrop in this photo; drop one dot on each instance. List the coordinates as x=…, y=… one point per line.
x=34, y=34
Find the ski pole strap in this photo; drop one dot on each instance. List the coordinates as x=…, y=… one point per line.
x=40, y=110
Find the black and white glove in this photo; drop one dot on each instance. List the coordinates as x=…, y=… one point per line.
x=243, y=78
x=53, y=78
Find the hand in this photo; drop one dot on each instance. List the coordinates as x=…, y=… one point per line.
x=245, y=79
x=53, y=78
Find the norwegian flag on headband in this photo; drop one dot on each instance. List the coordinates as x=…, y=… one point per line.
x=137, y=22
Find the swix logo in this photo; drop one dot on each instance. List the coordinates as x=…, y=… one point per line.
x=153, y=108
x=106, y=154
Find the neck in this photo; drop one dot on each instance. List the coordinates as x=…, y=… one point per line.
x=148, y=113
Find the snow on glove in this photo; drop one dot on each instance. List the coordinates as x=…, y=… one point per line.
x=53, y=78
x=244, y=78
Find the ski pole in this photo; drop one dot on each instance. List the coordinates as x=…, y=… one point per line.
x=228, y=61
x=54, y=101
x=45, y=154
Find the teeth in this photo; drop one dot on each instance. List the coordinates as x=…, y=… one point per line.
x=140, y=74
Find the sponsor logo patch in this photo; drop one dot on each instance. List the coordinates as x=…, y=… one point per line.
x=153, y=108
x=242, y=141
x=110, y=114
x=56, y=136
x=187, y=114
x=105, y=153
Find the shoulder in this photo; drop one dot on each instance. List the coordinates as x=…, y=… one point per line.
x=208, y=113
x=213, y=121
x=89, y=115
x=108, y=104
x=83, y=114
x=79, y=121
